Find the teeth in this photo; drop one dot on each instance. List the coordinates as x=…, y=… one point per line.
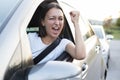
x=56, y=28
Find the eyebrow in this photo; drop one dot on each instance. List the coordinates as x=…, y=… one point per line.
x=54, y=16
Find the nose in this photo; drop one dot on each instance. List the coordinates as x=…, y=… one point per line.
x=57, y=21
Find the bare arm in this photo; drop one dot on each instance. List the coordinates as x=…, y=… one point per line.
x=78, y=50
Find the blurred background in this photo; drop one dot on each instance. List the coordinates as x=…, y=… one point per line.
x=105, y=13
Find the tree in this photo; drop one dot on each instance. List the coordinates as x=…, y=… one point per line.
x=118, y=22
x=107, y=22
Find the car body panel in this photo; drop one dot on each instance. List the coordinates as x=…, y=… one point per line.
x=99, y=30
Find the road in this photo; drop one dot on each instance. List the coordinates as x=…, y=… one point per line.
x=114, y=62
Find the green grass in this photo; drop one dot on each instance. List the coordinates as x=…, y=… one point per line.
x=115, y=31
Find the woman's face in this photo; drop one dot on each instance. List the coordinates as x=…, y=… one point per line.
x=54, y=22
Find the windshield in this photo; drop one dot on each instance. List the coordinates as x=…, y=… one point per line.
x=7, y=8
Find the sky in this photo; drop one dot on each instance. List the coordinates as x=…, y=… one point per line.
x=100, y=9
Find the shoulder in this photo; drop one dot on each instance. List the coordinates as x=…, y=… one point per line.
x=33, y=36
x=63, y=44
x=65, y=41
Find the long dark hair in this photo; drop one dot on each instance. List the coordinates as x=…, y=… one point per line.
x=45, y=7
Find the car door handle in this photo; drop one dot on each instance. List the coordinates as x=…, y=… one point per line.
x=97, y=49
x=84, y=70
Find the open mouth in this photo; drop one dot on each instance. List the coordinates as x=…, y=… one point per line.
x=55, y=28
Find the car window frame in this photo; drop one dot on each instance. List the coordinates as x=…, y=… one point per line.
x=14, y=64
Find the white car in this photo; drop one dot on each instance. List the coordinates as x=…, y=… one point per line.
x=99, y=30
x=17, y=18
x=109, y=37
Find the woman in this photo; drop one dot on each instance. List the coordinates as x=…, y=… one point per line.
x=51, y=25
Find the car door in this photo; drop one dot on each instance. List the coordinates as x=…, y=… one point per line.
x=93, y=63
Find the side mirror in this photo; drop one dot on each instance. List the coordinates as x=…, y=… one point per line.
x=53, y=70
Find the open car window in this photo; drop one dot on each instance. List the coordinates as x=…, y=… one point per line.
x=34, y=26
x=66, y=33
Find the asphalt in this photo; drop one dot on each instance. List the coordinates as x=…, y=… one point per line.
x=114, y=61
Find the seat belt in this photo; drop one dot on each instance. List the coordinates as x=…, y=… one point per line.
x=65, y=56
x=46, y=51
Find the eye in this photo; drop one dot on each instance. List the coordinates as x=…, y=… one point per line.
x=61, y=18
x=51, y=18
